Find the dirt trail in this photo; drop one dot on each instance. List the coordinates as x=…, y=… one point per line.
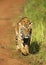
x=8, y=9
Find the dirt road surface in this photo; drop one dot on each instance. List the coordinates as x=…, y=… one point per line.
x=8, y=9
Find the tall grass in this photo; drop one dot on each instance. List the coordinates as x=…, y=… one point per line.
x=35, y=10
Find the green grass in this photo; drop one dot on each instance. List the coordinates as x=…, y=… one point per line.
x=35, y=10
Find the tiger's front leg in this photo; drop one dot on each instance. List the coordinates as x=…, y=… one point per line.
x=27, y=49
x=20, y=46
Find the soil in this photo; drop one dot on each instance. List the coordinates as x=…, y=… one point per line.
x=8, y=9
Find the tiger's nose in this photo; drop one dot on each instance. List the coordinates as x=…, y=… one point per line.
x=27, y=36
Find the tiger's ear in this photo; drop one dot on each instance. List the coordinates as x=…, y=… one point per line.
x=19, y=23
x=30, y=25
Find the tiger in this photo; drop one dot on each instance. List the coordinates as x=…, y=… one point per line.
x=23, y=32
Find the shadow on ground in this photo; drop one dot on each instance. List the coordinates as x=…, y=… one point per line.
x=34, y=47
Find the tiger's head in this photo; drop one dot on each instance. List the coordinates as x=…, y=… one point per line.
x=25, y=27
